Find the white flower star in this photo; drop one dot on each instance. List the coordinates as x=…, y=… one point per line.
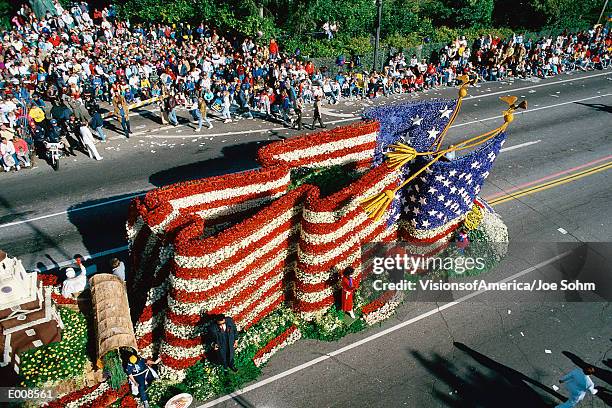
x=432, y=133
x=432, y=190
x=416, y=211
x=445, y=113
x=441, y=197
x=412, y=198
x=452, y=173
x=423, y=200
x=416, y=121
x=432, y=212
x=453, y=189
x=425, y=223
x=413, y=222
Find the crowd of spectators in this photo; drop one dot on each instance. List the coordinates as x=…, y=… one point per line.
x=58, y=70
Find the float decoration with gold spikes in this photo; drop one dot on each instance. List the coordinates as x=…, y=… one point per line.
x=402, y=154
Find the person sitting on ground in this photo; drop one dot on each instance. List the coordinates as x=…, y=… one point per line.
x=141, y=375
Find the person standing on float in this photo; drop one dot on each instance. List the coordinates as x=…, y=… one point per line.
x=348, y=289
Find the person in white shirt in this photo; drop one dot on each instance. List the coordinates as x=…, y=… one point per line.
x=88, y=141
x=577, y=382
x=8, y=155
x=118, y=268
x=74, y=283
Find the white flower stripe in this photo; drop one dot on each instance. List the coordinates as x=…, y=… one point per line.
x=292, y=338
x=328, y=217
x=211, y=259
x=134, y=230
x=156, y=293
x=223, y=276
x=231, y=192
x=171, y=375
x=348, y=259
x=239, y=207
x=181, y=353
x=346, y=228
x=314, y=297
x=256, y=295
x=326, y=147
x=351, y=240
x=429, y=233
x=257, y=310
x=148, y=326
x=86, y=400
x=347, y=158
x=222, y=297
x=428, y=248
x=183, y=331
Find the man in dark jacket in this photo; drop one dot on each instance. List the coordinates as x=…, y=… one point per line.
x=223, y=341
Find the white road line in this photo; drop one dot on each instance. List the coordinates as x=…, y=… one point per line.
x=518, y=146
x=513, y=90
x=530, y=110
x=85, y=207
x=238, y=132
x=85, y=258
x=373, y=336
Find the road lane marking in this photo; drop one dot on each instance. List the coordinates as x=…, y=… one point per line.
x=198, y=136
x=554, y=183
x=536, y=86
x=71, y=210
x=550, y=176
x=530, y=110
x=375, y=336
x=518, y=146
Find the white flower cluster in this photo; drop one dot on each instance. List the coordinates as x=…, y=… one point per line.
x=384, y=312
x=292, y=338
x=86, y=400
x=330, y=147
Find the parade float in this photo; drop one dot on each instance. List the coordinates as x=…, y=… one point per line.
x=266, y=246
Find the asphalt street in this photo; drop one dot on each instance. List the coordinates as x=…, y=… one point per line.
x=479, y=352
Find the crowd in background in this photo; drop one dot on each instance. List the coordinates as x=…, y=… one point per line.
x=56, y=71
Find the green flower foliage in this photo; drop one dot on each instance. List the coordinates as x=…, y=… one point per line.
x=333, y=325
x=329, y=179
x=58, y=360
x=112, y=365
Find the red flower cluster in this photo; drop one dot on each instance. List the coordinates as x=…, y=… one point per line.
x=378, y=303
x=61, y=300
x=275, y=342
x=271, y=154
x=48, y=279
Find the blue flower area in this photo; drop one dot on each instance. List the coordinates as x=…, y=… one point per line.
x=413, y=123
x=447, y=189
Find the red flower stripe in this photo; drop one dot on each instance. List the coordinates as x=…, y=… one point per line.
x=48, y=279
x=263, y=313
x=207, y=272
x=234, y=180
x=175, y=341
x=71, y=397
x=179, y=364
x=144, y=341
x=189, y=242
x=61, y=300
x=268, y=155
x=337, y=154
x=323, y=304
x=276, y=288
x=378, y=303
x=275, y=342
x=326, y=266
x=191, y=297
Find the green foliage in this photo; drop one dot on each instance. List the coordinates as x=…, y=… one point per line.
x=329, y=179
x=113, y=366
x=58, y=360
x=332, y=325
x=5, y=14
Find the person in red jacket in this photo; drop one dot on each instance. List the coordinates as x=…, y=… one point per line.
x=273, y=49
x=348, y=289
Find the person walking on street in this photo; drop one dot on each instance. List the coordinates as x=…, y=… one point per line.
x=122, y=113
x=577, y=382
x=171, y=108
x=97, y=124
x=298, y=108
x=203, y=107
x=226, y=107
x=317, y=113
x=88, y=141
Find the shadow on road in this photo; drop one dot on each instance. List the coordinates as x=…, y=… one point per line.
x=598, y=106
x=234, y=158
x=485, y=384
